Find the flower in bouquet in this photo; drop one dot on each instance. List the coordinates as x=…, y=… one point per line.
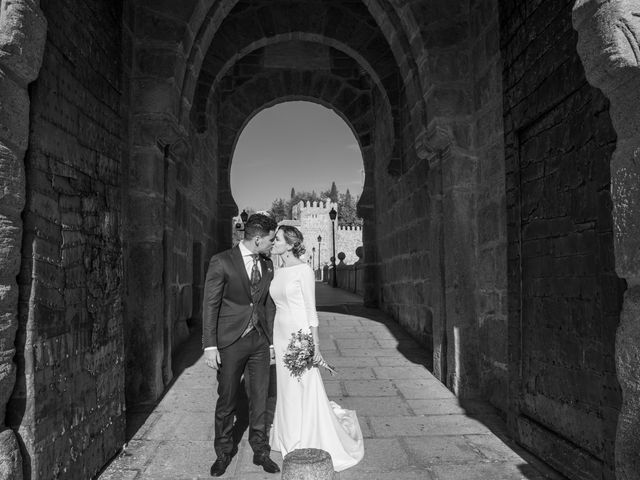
x=298, y=357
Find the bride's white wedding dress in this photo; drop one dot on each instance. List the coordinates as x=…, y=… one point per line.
x=304, y=416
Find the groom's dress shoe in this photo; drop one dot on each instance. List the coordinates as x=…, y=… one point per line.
x=267, y=464
x=220, y=465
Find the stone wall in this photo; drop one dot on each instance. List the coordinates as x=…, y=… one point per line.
x=564, y=296
x=258, y=81
x=68, y=404
x=347, y=240
x=408, y=266
x=426, y=226
x=172, y=218
x=488, y=141
x=199, y=224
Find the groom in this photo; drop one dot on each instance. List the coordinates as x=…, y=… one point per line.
x=237, y=328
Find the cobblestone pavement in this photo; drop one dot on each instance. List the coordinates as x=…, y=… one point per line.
x=414, y=427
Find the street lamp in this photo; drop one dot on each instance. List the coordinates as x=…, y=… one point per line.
x=332, y=215
x=239, y=232
x=319, y=255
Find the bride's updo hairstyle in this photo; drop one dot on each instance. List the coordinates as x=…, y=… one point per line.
x=293, y=237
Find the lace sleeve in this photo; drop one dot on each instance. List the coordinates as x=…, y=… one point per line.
x=308, y=284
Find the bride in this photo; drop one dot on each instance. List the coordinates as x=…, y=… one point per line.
x=304, y=416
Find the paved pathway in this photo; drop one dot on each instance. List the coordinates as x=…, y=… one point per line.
x=414, y=427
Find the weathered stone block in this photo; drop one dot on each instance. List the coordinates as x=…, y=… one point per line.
x=14, y=113
x=449, y=65
x=23, y=30
x=307, y=464
x=10, y=457
x=459, y=170
x=12, y=182
x=155, y=95
x=154, y=26
x=9, y=248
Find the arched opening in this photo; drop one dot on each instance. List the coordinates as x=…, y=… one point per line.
x=292, y=152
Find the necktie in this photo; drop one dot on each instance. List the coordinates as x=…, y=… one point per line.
x=255, y=280
x=255, y=272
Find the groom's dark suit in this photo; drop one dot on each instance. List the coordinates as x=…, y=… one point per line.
x=230, y=304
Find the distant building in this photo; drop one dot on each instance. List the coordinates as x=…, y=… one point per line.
x=312, y=219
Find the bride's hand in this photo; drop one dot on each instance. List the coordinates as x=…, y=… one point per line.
x=317, y=357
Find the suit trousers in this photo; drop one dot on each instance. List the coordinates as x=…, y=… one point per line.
x=252, y=352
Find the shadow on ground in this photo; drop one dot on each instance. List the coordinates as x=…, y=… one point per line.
x=407, y=346
x=475, y=408
x=185, y=356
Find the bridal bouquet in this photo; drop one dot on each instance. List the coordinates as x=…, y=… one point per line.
x=299, y=355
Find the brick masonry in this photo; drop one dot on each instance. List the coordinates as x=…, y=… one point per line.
x=69, y=395
x=564, y=298
x=491, y=231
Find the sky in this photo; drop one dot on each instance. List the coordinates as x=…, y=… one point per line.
x=294, y=144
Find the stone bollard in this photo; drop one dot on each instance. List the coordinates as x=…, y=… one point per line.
x=307, y=464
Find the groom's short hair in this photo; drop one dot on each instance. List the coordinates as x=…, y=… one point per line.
x=259, y=225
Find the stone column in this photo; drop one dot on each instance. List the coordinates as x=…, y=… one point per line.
x=434, y=146
x=609, y=46
x=366, y=210
x=22, y=37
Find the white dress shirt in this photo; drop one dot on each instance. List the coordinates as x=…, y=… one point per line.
x=247, y=256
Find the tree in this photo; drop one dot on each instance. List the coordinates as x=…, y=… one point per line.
x=333, y=193
x=293, y=192
x=279, y=209
x=347, y=214
x=347, y=200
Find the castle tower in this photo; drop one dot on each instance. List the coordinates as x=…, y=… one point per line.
x=312, y=218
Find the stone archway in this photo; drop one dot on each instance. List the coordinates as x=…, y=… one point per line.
x=176, y=66
x=346, y=90
x=609, y=46
x=251, y=25
x=426, y=82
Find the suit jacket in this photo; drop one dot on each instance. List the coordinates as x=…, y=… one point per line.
x=228, y=305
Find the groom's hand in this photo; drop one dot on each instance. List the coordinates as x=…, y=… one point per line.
x=212, y=358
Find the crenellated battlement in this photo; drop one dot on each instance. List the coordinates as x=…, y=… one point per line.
x=312, y=209
x=315, y=205
x=355, y=228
